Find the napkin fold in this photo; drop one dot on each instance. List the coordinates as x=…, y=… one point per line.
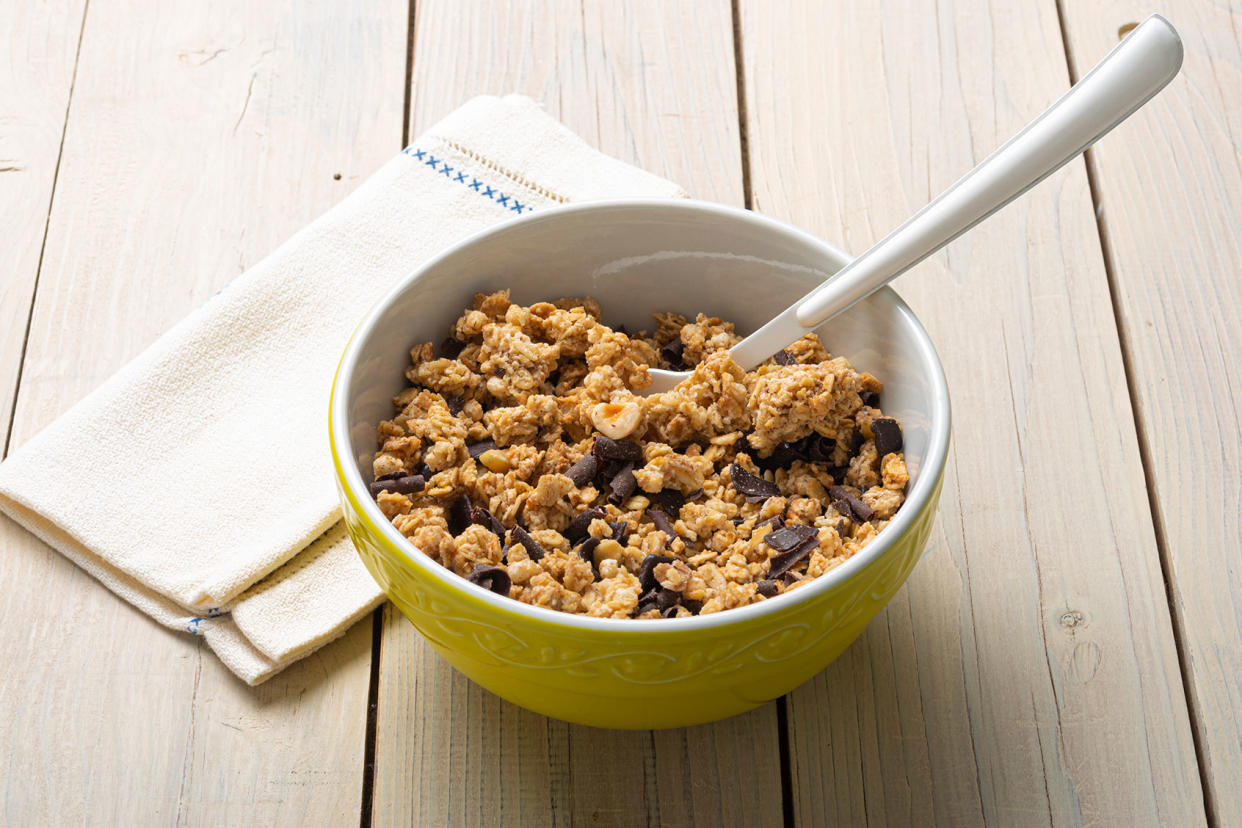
x=197, y=482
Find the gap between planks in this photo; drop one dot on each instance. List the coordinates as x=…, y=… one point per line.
x=47, y=221
x=1144, y=446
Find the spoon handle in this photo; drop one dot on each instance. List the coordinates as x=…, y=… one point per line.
x=1124, y=80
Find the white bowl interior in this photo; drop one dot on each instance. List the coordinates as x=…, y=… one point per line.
x=636, y=258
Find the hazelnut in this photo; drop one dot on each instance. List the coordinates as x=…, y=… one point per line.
x=616, y=420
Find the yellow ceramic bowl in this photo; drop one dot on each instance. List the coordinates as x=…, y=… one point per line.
x=637, y=257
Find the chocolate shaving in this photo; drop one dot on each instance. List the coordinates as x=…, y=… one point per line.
x=697, y=494
x=392, y=475
x=670, y=500
x=860, y=510
x=621, y=329
x=869, y=398
x=483, y=517
x=407, y=484
x=646, y=571
x=606, y=448
x=790, y=578
x=494, y=578
x=476, y=449
x=783, y=357
x=671, y=612
x=532, y=547
x=586, y=550
x=767, y=588
x=584, y=470
x=782, y=563
x=692, y=605
x=674, y=354
x=620, y=531
x=750, y=485
x=887, y=436
x=454, y=403
x=459, y=515
x=776, y=520
x=451, y=348
x=622, y=485
x=579, y=525
x=782, y=540
x=662, y=522
x=666, y=599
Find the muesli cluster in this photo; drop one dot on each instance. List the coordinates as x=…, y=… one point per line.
x=524, y=458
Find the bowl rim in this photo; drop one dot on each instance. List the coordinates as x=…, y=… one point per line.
x=367, y=510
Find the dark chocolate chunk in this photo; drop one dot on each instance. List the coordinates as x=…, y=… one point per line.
x=782, y=540
x=670, y=500
x=392, y=475
x=860, y=510
x=782, y=563
x=606, y=448
x=790, y=578
x=838, y=472
x=767, y=588
x=646, y=571
x=782, y=457
x=451, y=348
x=843, y=526
x=776, y=521
x=476, y=449
x=483, y=517
x=586, y=550
x=620, y=531
x=671, y=612
x=459, y=515
x=644, y=606
x=869, y=398
x=454, y=403
x=750, y=485
x=667, y=598
x=584, y=471
x=494, y=578
x=783, y=357
x=887, y=436
x=622, y=485
x=406, y=484
x=661, y=521
x=532, y=547
x=817, y=448
x=674, y=353
x=577, y=528
x=693, y=606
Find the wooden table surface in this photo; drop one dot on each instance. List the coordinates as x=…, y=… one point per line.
x=1068, y=651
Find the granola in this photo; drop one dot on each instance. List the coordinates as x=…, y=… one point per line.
x=524, y=458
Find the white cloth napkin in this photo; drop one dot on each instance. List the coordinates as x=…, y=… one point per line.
x=197, y=483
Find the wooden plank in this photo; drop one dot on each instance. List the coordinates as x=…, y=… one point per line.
x=1169, y=201
x=41, y=41
x=200, y=136
x=1027, y=674
x=653, y=84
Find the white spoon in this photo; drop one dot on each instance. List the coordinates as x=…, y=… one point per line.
x=1122, y=82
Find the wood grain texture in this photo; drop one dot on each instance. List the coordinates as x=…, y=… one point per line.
x=41, y=44
x=1169, y=189
x=1027, y=674
x=652, y=84
x=199, y=137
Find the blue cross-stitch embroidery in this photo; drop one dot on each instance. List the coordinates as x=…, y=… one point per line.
x=192, y=627
x=444, y=168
